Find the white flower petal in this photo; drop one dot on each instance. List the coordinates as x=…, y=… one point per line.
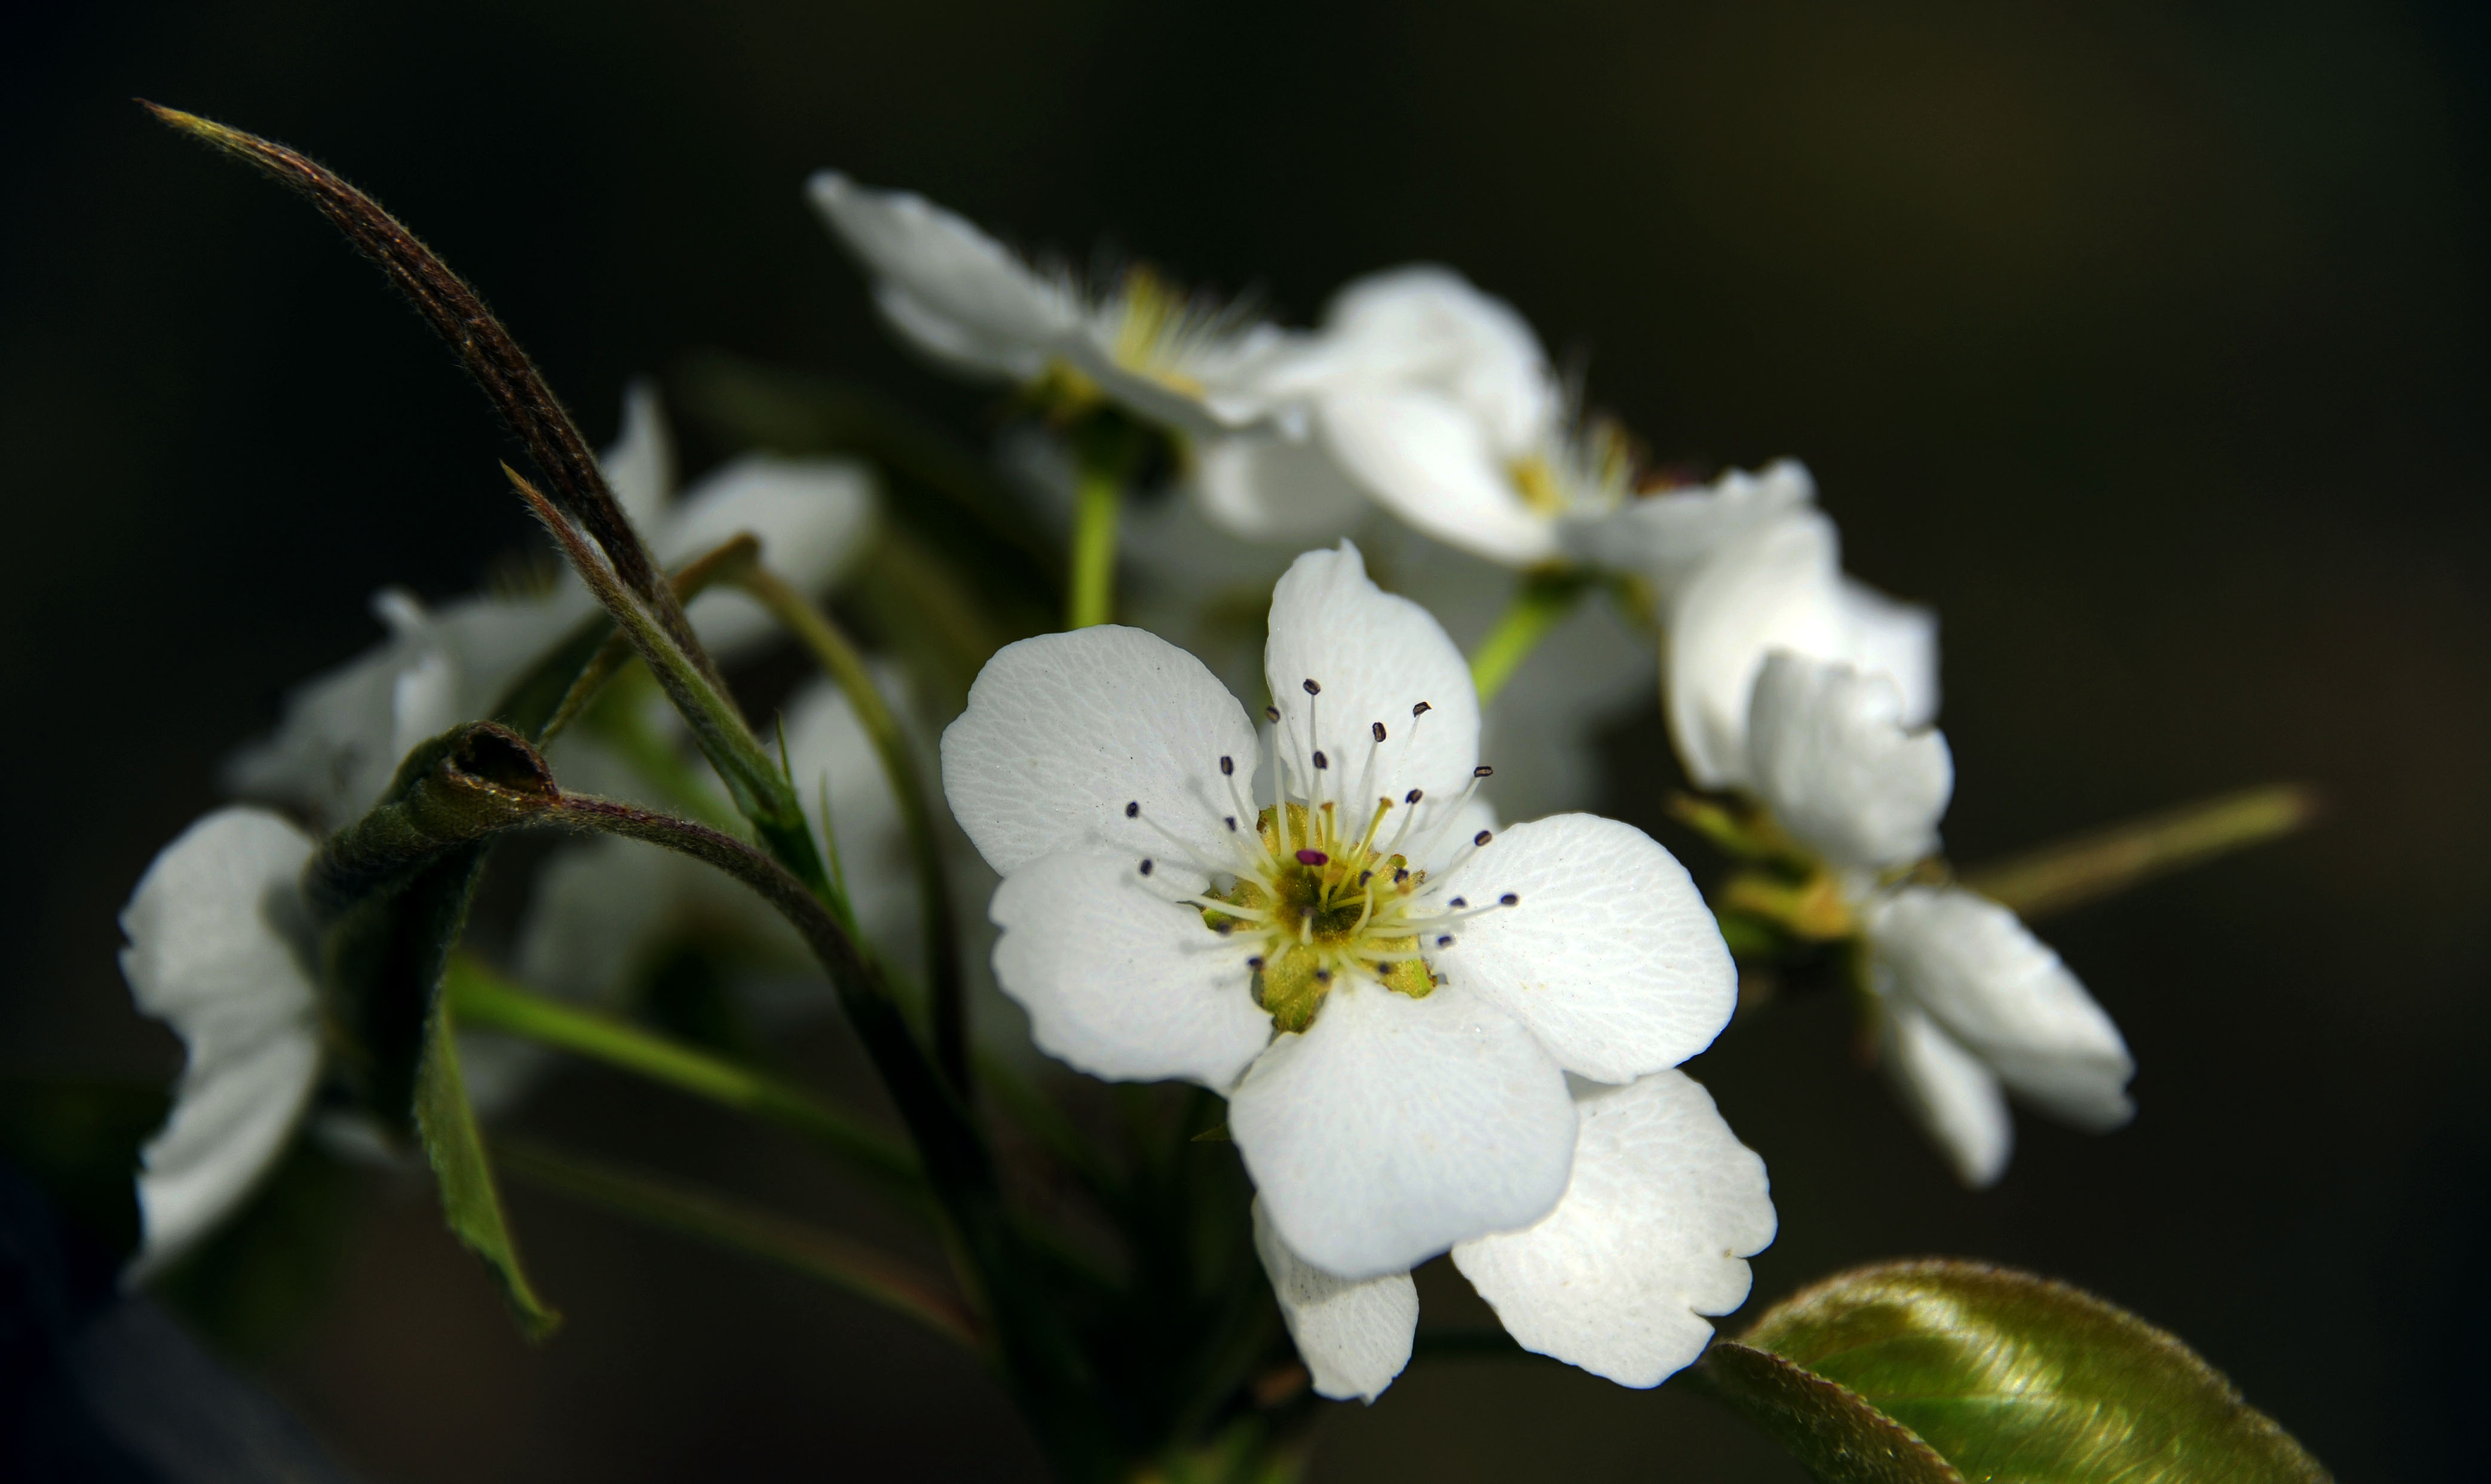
x=1882, y=636
x=1954, y=1099
x=1663, y=1207
x=1266, y=487
x=1427, y=327
x=1831, y=754
x=640, y=467
x=811, y=515
x=1395, y=1127
x=218, y=947
x=1773, y=588
x=1609, y=955
x=2008, y=999
x=956, y=292
x=1668, y=538
x=1064, y=731
x=1430, y=461
x=1121, y=983
x=1354, y=1336
x=1377, y=657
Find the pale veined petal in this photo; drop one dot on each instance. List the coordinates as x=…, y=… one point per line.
x=1776, y=586
x=1881, y=635
x=1833, y=758
x=1427, y=326
x=951, y=288
x=1663, y=1207
x=1354, y=1336
x=1667, y=538
x=1393, y=1128
x=2002, y=992
x=1427, y=459
x=219, y=948
x=1266, y=487
x=640, y=467
x=811, y=515
x=1377, y=657
x=1955, y=1099
x=1119, y=983
x=1064, y=733
x=1608, y=954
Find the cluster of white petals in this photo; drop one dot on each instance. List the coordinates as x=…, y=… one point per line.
x=343, y=733
x=1971, y=1004
x=220, y=949
x=1409, y=1011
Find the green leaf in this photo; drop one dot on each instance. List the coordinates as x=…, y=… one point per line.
x=468, y=1197
x=1828, y=1428
x=2018, y=1380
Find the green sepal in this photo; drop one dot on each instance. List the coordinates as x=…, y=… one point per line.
x=2006, y=1376
x=455, y=1147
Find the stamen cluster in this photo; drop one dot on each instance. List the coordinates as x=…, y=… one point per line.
x=1315, y=877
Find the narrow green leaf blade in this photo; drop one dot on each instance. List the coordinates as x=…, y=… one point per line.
x=2015, y=1378
x=468, y=1197
x=1829, y=1429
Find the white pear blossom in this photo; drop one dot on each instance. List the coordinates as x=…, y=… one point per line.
x=1390, y=996
x=1971, y=1006
x=220, y=948
x=1745, y=566
x=1662, y=1211
x=968, y=300
x=1435, y=400
x=343, y=733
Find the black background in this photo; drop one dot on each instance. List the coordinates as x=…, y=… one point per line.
x=2147, y=343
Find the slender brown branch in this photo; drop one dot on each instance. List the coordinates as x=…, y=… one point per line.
x=457, y=313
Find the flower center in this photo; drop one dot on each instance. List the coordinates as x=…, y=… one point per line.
x=1584, y=471
x=1321, y=881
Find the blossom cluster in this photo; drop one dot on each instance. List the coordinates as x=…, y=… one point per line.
x=1348, y=890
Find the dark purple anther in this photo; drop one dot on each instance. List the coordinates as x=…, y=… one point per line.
x=1313, y=858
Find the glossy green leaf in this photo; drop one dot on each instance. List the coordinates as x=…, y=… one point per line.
x=468, y=1197
x=1830, y=1427
x=2019, y=1379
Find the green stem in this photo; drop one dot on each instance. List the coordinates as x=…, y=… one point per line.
x=1541, y=599
x=2058, y=877
x=1097, y=499
x=838, y=655
x=483, y=998
x=829, y=1256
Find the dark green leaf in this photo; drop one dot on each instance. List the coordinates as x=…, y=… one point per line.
x=468, y=1197
x=2015, y=1378
x=1832, y=1431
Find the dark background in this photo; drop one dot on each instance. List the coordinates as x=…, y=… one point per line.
x=2146, y=341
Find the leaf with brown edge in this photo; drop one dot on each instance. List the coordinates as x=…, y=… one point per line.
x=2015, y=1378
x=1829, y=1429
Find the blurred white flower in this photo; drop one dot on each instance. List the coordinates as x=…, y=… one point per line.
x=604, y=912
x=1431, y=982
x=1971, y=1004
x=1660, y=1211
x=967, y=300
x=220, y=948
x=344, y=732
x=1745, y=566
x=1435, y=400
